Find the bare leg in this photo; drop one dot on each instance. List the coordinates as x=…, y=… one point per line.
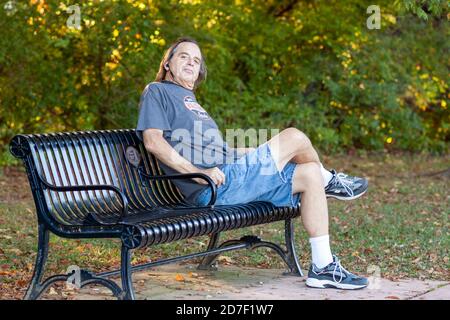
x=292, y=145
x=314, y=209
x=308, y=180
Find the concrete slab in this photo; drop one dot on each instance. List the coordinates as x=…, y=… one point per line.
x=239, y=283
x=440, y=293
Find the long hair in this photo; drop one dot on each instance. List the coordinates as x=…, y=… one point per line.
x=161, y=75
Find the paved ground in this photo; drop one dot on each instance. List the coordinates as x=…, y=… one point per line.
x=237, y=283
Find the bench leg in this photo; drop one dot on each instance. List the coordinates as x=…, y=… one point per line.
x=289, y=256
x=207, y=262
x=37, y=287
x=292, y=259
x=127, y=283
x=34, y=289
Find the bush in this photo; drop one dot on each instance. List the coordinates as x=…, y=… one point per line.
x=314, y=66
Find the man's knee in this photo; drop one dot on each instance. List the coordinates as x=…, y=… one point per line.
x=310, y=174
x=297, y=138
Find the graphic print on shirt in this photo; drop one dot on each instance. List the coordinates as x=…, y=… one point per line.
x=193, y=106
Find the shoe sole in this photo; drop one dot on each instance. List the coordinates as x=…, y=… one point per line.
x=325, y=284
x=346, y=198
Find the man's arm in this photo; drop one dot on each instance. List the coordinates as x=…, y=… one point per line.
x=156, y=144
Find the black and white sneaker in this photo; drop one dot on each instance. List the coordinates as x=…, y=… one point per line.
x=334, y=276
x=345, y=187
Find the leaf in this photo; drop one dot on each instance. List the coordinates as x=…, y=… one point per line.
x=422, y=14
x=22, y=283
x=225, y=259
x=179, y=277
x=52, y=292
x=392, y=297
x=16, y=251
x=61, y=43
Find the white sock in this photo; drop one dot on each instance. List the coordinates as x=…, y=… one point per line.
x=321, y=252
x=327, y=175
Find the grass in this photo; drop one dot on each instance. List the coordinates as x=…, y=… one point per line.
x=401, y=227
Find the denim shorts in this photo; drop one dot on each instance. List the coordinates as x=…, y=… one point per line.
x=254, y=177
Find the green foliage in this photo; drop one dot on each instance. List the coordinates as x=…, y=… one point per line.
x=423, y=8
x=272, y=64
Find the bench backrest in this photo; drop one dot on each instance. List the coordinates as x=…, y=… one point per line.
x=90, y=158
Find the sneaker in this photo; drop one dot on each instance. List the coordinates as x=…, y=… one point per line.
x=345, y=187
x=334, y=276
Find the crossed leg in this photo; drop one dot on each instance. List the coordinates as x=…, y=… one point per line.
x=291, y=145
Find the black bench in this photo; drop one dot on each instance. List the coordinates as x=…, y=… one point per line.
x=104, y=184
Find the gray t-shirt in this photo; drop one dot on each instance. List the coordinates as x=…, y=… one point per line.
x=187, y=127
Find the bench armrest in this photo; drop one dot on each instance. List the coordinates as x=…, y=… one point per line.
x=181, y=176
x=92, y=187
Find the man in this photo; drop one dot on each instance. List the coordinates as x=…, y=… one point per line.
x=277, y=171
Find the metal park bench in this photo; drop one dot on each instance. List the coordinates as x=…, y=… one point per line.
x=104, y=184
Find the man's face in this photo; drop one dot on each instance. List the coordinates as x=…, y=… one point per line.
x=185, y=64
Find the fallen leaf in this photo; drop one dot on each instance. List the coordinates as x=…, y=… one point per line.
x=70, y=286
x=15, y=251
x=22, y=283
x=179, y=277
x=392, y=297
x=225, y=259
x=52, y=292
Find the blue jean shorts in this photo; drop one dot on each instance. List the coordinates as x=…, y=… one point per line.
x=254, y=177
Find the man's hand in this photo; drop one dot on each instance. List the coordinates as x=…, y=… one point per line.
x=217, y=176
